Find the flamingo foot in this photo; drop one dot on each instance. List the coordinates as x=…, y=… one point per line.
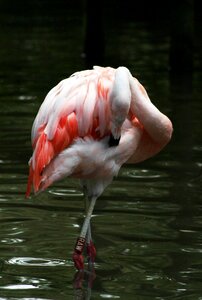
x=91, y=278
x=77, y=255
x=78, y=260
x=91, y=252
x=78, y=280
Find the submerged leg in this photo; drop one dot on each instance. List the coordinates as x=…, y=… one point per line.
x=77, y=255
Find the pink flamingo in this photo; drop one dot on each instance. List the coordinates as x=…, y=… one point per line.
x=88, y=126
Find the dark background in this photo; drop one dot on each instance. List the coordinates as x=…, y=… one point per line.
x=180, y=20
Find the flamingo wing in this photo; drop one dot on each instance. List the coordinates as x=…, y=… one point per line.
x=76, y=107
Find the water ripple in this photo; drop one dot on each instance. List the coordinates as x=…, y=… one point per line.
x=37, y=262
x=12, y=241
x=19, y=287
x=144, y=174
x=65, y=192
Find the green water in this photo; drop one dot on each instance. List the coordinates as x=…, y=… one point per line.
x=147, y=226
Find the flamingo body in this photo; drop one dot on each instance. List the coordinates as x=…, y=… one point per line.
x=72, y=130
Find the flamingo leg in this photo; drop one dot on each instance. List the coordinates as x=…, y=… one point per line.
x=80, y=244
x=90, y=248
x=88, y=235
x=86, y=202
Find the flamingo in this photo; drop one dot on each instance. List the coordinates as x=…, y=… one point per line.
x=88, y=126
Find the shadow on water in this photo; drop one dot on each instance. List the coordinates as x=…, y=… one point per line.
x=147, y=226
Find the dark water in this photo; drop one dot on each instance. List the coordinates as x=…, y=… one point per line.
x=147, y=226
